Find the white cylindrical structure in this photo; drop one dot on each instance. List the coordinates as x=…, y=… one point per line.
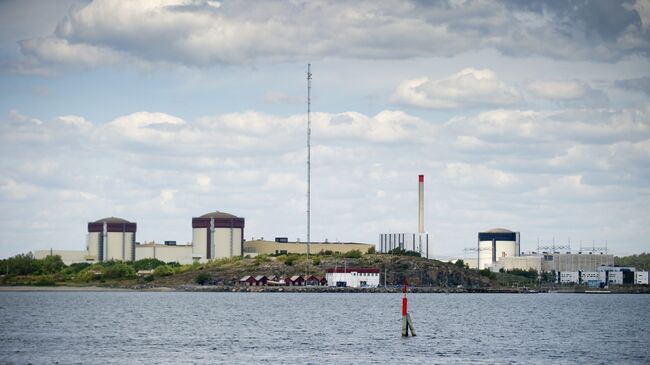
x=111, y=238
x=494, y=244
x=420, y=203
x=217, y=235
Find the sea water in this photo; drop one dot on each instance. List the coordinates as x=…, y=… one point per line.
x=321, y=328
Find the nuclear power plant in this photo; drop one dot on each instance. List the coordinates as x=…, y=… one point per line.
x=417, y=242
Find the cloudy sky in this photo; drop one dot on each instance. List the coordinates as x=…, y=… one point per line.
x=529, y=116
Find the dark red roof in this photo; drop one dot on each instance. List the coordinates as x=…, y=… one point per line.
x=361, y=270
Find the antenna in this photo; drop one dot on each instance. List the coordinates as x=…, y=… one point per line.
x=308, y=157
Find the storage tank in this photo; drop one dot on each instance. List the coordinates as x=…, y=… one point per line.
x=111, y=238
x=496, y=243
x=217, y=235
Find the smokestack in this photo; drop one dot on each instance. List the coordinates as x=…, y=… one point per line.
x=421, y=204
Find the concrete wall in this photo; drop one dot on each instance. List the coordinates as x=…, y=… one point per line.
x=119, y=246
x=270, y=247
x=92, y=244
x=641, y=277
x=181, y=253
x=520, y=262
x=67, y=256
x=199, y=240
x=227, y=242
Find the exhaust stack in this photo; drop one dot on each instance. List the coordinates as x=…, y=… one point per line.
x=421, y=204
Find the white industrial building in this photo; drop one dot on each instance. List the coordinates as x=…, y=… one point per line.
x=605, y=275
x=352, y=277
x=495, y=244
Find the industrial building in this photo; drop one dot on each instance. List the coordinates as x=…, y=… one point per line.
x=417, y=242
x=353, y=277
x=495, y=244
x=558, y=262
x=282, y=246
x=111, y=238
x=217, y=235
x=604, y=276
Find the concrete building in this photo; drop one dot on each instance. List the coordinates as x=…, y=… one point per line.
x=259, y=247
x=353, y=277
x=495, y=244
x=641, y=277
x=217, y=235
x=111, y=238
x=558, y=262
x=67, y=256
x=168, y=253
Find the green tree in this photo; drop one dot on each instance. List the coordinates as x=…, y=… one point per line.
x=52, y=264
x=147, y=264
x=22, y=264
x=203, y=278
x=459, y=263
x=371, y=250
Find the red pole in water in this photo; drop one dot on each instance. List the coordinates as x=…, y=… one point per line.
x=404, y=302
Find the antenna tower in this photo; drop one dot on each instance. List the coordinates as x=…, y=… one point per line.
x=308, y=157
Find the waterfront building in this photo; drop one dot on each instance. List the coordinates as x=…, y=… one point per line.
x=352, y=277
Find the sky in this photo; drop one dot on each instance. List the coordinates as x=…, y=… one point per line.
x=531, y=116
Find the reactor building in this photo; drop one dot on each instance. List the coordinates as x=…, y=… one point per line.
x=495, y=244
x=111, y=238
x=217, y=235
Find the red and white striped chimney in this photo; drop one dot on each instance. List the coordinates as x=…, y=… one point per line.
x=421, y=204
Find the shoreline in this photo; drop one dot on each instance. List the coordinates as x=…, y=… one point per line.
x=297, y=289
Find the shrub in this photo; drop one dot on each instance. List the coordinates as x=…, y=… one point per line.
x=118, y=271
x=371, y=250
x=316, y=261
x=147, y=264
x=203, y=278
x=354, y=254
x=163, y=270
x=261, y=258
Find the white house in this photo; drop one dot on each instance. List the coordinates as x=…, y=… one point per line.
x=354, y=277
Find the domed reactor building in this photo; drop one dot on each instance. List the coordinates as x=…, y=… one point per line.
x=495, y=244
x=111, y=238
x=217, y=235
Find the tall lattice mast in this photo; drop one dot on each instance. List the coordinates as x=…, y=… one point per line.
x=308, y=157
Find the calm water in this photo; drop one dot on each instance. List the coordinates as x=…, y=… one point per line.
x=242, y=328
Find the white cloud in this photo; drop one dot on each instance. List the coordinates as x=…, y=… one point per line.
x=469, y=87
x=198, y=33
x=557, y=89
